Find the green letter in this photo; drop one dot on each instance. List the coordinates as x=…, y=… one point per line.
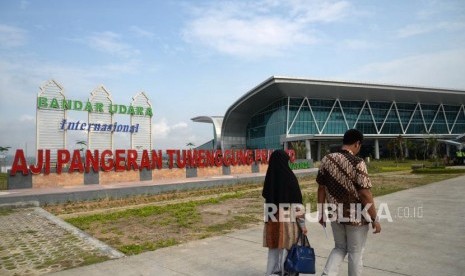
x=41, y=102
x=99, y=107
x=66, y=104
x=148, y=112
x=122, y=109
x=131, y=110
x=88, y=107
x=54, y=103
x=77, y=105
x=113, y=108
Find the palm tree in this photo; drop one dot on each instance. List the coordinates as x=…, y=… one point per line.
x=433, y=144
x=82, y=144
x=299, y=148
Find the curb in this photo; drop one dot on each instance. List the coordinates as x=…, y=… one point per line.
x=20, y=204
x=108, y=250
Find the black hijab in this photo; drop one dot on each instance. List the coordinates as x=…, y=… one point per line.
x=281, y=185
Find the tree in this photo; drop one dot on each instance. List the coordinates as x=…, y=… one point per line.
x=392, y=146
x=433, y=144
x=413, y=148
x=82, y=144
x=300, y=150
x=400, y=146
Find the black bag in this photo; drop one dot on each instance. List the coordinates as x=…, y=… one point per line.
x=301, y=257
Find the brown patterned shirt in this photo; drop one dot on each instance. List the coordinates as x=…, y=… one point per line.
x=343, y=174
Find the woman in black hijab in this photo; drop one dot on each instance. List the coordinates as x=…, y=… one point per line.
x=280, y=187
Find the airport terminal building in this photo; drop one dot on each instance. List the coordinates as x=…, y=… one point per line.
x=282, y=110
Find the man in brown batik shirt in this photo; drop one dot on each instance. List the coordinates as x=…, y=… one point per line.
x=345, y=186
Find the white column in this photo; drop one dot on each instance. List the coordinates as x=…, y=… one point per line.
x=318, y=151
x=309, y=149
x=448, y=150
x=376, y=149
x=286, y=147
x=406, y=152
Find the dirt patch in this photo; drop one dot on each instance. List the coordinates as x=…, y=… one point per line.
x=221, y=213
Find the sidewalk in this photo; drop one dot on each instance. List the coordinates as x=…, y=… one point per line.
x=425, y=238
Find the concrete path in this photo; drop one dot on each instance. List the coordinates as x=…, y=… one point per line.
x=425, y=238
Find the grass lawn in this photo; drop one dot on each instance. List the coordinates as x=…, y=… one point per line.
x=143, y=223
x=380, y=166
x=3, y=177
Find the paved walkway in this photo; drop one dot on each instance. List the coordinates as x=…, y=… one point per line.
x=34, y=242
x=425, y=238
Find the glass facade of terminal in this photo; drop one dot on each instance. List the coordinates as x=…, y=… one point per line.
x=304, y=116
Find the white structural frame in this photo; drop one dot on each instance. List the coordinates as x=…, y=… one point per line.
x=291, y=121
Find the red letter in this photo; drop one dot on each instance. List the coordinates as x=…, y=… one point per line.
x=62, y=159
x=106, y=166
x=291, y=154
x=40, y=163
x=19, y=164
x=264, y=156
x=209, y=158
x=190, y=162
x=241, y=157
x=145, y=161
x=257, y=155
x=119, y=158
x=218, y=158
x=234, y=160
x=179, y=163
x=132, y=160
x=170, y=160
x=92, y=160
x=249, y=154
x=227, y=158
x=47, y=161
x=201, y=159
x=157, y=159
x=76, y=162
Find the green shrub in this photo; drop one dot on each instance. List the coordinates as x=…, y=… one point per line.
x=435, y=170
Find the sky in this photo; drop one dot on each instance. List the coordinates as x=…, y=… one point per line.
x=195, y=58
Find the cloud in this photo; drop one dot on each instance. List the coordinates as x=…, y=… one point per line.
x=260, y=29
x=178, y=135
x=162, y=129
x=11, y=36
x=439, y=69
x=141, y=32
x=419, y=29
x=24, y=4
x=17, y=133
x=356, y=44
x=24, y=74
x=27, y=118
x=319, y=11
x=110, y=42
